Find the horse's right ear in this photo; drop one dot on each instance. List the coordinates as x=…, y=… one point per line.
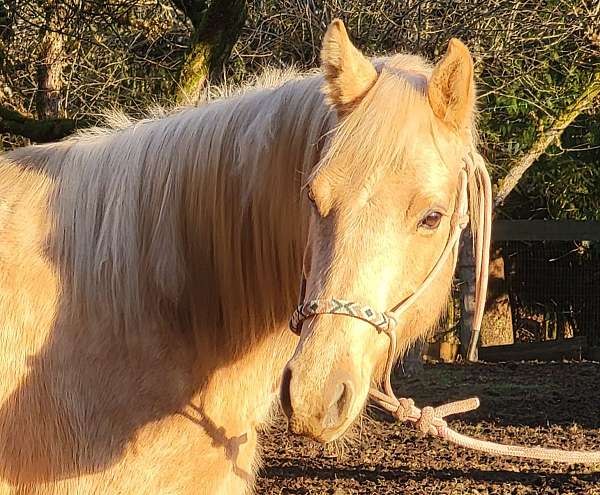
x=348, y=73
x=451, y=90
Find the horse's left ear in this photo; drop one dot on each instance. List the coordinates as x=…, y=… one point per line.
x=451, y=88
x=348, y=73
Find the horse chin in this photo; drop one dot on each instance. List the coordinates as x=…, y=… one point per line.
x=332, y=435
x=308, y=428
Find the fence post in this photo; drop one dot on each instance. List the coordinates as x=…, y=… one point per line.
x=466, y=275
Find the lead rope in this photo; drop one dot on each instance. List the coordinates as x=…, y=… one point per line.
x=430, y=420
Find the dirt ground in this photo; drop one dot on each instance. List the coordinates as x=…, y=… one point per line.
x=546, y=404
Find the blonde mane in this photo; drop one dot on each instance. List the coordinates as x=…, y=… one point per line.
x=403, y=81
x=215, y=179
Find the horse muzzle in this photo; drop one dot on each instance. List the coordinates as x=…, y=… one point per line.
x=322, y=413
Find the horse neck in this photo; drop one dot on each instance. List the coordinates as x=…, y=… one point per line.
x=244, y=225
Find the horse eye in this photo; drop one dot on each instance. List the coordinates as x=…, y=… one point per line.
x=432, y=220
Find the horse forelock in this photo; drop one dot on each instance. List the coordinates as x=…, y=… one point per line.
x=394, y=116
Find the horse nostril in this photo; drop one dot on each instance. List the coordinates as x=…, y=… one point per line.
x=284, y=392
x=337, y=412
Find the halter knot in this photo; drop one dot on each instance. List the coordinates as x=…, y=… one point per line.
x=405, y=410
x=430, y=422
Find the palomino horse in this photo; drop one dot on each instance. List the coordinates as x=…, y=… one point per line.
x=147, y=273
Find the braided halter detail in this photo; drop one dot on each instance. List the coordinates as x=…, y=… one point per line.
x=383, y=322
x=431, y=420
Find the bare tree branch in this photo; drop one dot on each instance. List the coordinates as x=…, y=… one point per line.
x=546, y=138
x=39, y=131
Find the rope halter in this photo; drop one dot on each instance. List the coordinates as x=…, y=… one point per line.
x=474, y=181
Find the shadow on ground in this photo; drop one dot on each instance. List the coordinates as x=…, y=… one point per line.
x=549, y=404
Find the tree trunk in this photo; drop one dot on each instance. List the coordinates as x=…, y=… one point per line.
x=216, y=30
x=50, y=66
x=547, y=137
x=496, y=327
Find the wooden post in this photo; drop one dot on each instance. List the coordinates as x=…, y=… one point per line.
x=466, y=275
x=497, y=325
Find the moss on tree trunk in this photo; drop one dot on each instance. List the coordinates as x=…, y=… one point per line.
x=216, y=30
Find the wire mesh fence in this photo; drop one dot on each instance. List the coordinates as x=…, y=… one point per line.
x=544, y=286
x=554, y=289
